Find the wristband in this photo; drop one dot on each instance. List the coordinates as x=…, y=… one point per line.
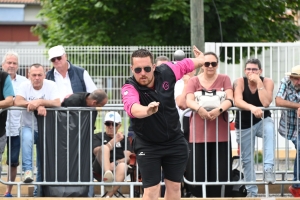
x=261, y=88
x=198, y=109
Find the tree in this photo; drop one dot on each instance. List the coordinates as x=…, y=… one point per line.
x=164, y=22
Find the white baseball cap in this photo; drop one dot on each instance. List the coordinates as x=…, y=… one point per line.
x=113, y=117
x=56, y=51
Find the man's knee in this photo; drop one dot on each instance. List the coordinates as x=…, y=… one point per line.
x=172, y=186
x=152, y=192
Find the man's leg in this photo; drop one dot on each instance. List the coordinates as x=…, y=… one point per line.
x=37, y=192
x=119, y=177
x=27, y=147
x=152, y=193
x=105, y=163
x=246, y=139
x=295, y=188
x=173, y=190
x=2, y=147
x=267, y=131
x=13, y=160
x=297, y=159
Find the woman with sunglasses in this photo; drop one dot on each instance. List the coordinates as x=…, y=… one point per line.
x=209, y=131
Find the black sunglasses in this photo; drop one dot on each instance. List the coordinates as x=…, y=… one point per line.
x=111, y=124
x=139, y=69
x=53, y=59
x=213, y=64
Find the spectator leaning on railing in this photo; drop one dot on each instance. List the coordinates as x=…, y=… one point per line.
x=36, y=94
x=288, y=96
x=250, y=93
x=10, y=63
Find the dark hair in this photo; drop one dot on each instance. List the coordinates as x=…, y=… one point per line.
x=37, y=65
x=141, y=53
x=253, y=61
x=213, y=54
x=98, y=95
x=161, y=58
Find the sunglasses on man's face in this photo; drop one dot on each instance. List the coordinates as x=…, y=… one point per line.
x=53, y=59
x=213, y=64
x=139, y=69
x=111, y=124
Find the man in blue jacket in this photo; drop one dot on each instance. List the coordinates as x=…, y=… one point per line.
x=68, y=77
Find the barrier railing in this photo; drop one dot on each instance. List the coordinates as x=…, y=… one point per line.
x=80, y=160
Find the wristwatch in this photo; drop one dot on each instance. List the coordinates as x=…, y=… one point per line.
x=221, y=110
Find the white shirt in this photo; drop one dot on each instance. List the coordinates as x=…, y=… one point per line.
x=179, y=85
x=48, y=91
x=64, y=84
x=14, y=116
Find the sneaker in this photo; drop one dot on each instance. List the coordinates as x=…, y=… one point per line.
x=108, y=178
x=28, y=178
x=7, y=194
x=269, y=176
x=251, y=195
x=294, y=191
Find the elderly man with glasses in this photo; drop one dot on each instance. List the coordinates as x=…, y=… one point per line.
x=288, y=96
x=111, y=152
x=68, y=77
x=250, y=93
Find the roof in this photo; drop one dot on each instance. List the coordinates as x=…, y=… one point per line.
x=21, y=1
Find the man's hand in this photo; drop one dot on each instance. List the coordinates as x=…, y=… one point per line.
x=198, y=54
x=257, y=112
x=152, y=108
x=118, y=137
x=33, y=105
x=254, y=78
x=42, y=111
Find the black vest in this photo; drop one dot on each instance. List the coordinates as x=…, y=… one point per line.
x=76, y=78
x=3, y=114
x=164, y=125
x=246, y=115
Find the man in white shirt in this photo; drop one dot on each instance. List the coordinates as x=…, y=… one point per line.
x=68, y=77
x=10, y=64
x=37, y=94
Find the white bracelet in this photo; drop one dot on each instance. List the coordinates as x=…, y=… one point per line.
x=261, y=88
x=109, y=144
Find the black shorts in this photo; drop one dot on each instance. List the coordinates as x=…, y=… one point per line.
x=151, y=157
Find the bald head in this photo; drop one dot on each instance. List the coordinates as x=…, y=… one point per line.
x=97, y=98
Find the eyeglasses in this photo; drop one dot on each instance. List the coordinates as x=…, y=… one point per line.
x=139, y=69
x=111, y=124
x=53, y=59
x=213, y=64
x=252, y=69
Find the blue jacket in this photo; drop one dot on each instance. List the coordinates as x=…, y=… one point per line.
x=76, y=78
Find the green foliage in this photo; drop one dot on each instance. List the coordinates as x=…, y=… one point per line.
x=164, y=22
x=258, y=157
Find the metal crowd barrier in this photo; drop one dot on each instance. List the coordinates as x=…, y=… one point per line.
x=283, y=176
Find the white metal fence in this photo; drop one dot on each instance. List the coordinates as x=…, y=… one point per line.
x=109, y=65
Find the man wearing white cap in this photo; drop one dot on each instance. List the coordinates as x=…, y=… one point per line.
x=68, y=77
x=113, y=143
x=289, y=96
